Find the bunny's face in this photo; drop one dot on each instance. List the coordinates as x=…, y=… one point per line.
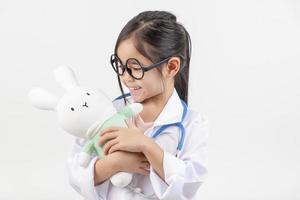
x=79, y=110
x=80, y=107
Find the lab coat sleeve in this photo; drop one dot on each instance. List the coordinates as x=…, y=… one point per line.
x=82, y=179
x=184, y=174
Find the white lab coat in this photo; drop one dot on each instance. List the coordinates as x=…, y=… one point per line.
x=183, y=174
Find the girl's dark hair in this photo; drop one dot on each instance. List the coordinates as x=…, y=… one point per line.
x=157, y=35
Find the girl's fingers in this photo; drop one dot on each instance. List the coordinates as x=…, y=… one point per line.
x=108, y=146
x=142, y=171
x=110, y=129
x=108, y=136
x=114, y=148
x=145, y=165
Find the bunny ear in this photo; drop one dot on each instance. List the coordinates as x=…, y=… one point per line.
x=65, y=77
x=42, y=99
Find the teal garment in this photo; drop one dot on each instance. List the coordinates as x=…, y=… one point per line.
x=117, y=120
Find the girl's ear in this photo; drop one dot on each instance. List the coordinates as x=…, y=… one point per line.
x=42, y=99
x=66, y=77
x=173, y=67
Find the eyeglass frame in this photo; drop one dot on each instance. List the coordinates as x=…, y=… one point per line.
x=144, y=69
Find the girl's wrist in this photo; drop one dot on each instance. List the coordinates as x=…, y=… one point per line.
x=114, y=164
x=103, y=169
x=148, y=145
x=154, y=154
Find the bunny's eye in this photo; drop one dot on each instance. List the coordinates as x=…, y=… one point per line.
x=88, y=93
x=72, y=109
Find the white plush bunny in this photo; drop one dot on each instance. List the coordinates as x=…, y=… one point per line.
x=84, y=112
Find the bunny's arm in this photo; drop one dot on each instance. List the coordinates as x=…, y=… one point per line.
x=86, y=154
x=131, y=110
x=88, y=147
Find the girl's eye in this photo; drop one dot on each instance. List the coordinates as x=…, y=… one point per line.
x=88, y=93
x=134, y=67
x=72, y=109
x=133, y=64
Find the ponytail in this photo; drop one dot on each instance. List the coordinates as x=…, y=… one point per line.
x=182, y=78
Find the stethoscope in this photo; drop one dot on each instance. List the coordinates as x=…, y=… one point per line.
x=158, y=132
x=162, y=128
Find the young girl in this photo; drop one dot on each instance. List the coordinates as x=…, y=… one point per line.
x=165, y=146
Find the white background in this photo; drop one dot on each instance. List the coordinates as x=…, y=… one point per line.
x=244, y=76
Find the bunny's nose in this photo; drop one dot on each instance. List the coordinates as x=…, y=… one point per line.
x=85, y=104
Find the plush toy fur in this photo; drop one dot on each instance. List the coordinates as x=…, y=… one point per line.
x=84, y=112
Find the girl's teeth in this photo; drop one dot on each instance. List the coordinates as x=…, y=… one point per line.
x=135, y=88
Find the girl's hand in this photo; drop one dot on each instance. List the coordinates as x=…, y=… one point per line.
x=130, y=162
x=129, y=139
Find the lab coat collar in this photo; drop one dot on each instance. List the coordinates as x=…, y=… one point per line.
x=172, y=112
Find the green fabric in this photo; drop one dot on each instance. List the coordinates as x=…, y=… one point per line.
x=117, y=120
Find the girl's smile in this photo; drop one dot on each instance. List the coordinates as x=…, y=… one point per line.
x=150, y=85
x=135, y=90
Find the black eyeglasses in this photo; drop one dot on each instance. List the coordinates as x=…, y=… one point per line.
x=133, y=66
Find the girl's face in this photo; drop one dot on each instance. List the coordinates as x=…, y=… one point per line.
x=151, y=85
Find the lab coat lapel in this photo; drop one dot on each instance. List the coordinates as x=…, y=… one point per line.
x=172, y=112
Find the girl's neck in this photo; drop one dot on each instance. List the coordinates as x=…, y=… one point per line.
x=153, y=106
